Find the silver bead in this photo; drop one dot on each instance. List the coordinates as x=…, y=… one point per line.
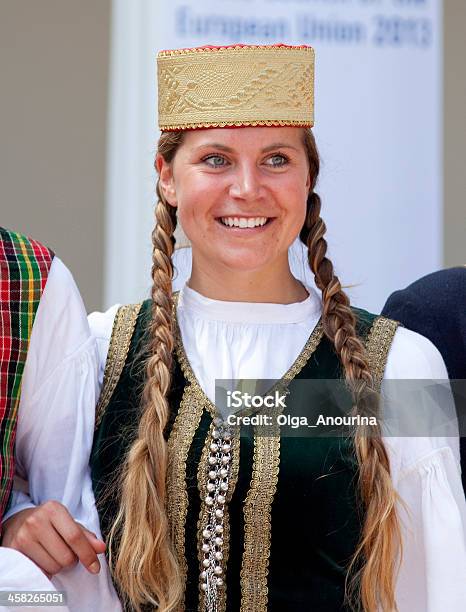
x=218, y=541
x=224, y=486
x=212, y=474
x=214, y=447
x=218, y=570
x=204, y=575
x=226, y=448
x=218, y=556
x=206, y=533
x=204, y=586
x=212, y=460
x=205, y=547
x=219, y=582
x=219, y=513
x=223, y=472
x=209, y=501
x=218, y=528
x=225, y=460
x=206, y=563
x=210, y=486
x=221, y=499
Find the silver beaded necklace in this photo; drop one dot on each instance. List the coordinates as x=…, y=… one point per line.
x=212, y=534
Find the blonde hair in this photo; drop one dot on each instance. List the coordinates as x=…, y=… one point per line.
x=141, y=555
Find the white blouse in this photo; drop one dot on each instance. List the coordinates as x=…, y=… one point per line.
x=230, y=340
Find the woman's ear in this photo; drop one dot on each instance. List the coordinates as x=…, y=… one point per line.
x=166, y=180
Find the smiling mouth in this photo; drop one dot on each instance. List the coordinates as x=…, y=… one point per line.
x=244, y=222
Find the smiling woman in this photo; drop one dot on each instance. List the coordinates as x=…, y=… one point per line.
x=221, y=181
x=201, y=515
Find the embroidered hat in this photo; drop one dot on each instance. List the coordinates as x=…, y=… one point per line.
x=234, y=86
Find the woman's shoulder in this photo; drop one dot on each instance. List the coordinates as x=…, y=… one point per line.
x=413, y=356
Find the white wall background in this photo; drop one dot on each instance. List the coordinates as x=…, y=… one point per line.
x=378, y=125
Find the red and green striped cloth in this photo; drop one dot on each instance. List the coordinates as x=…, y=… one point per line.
x=24, y=268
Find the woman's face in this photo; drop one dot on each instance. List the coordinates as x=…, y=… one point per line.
x=241, y=193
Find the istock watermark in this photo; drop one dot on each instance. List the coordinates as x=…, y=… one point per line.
x=287, y=420
x=240, y=399
x=326, y=408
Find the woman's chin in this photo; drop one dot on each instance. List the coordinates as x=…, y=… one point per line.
x=245, y=261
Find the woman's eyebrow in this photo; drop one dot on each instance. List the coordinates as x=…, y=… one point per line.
x=275, y=145
x=278, y=145
x=216, y=145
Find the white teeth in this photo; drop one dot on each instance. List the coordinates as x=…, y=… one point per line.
x=243, y=221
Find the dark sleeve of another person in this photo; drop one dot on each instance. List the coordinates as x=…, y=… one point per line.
x=435, y=306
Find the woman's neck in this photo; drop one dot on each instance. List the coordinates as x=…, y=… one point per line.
x=277, y=286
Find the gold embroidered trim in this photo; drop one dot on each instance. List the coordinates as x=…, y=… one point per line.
x=258, y=504
x=378, y=345
x=196, y=126
x=179, y=442
x=202, y=470
x=122, y=332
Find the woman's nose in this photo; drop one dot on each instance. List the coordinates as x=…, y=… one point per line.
x=246, y=182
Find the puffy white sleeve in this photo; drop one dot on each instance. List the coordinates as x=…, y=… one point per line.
x=54, y=436
x=432, y=508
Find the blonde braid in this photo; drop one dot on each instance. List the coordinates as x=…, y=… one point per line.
x=145, y=567
x=379, y=549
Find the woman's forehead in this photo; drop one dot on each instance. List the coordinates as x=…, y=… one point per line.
x=252, y=137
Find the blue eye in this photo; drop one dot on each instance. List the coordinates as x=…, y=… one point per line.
x=215, y=161
x=277, y=160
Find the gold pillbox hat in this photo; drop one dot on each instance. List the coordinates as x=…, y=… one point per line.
x=239, y=85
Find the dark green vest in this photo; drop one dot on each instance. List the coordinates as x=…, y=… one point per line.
x=293, y=518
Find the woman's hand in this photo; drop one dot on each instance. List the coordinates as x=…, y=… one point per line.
x=50, y=537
